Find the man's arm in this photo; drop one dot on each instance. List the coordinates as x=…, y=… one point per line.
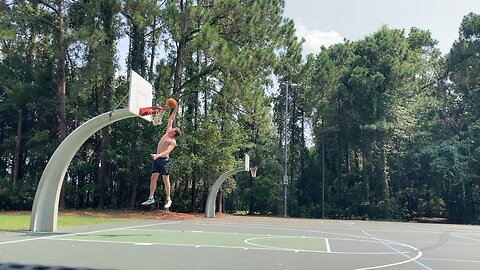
x=172, y=118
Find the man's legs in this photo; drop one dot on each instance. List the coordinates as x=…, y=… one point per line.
x=166, y=182
x=153, y=183
x=153, y=187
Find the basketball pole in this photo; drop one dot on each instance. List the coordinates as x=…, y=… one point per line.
x=45, y=205
x=212, y=194
x=285, y=176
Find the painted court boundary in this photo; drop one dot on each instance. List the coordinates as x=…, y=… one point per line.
x=69, y=234
x=296, y=231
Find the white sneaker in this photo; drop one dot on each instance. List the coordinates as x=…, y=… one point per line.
x=148, y=202
x=168, y=204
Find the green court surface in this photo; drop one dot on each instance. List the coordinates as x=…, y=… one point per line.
x=238, y=243
x=205, y=239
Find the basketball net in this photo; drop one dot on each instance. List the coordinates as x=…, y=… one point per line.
x=157, y=117
x=155, y=112
x=253, y=171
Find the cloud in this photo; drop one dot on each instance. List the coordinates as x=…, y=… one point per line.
x=315, y=38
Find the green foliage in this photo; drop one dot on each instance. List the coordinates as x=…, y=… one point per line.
x=381, y=106
x=16, y=197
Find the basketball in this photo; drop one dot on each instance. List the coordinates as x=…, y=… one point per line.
x=171, y=103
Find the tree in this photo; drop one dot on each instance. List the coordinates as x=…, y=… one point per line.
x=463, y=66
x=217, y=60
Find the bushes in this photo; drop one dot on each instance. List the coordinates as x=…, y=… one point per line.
x=16, y=197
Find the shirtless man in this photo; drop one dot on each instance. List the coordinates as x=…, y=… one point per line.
x=161, y=161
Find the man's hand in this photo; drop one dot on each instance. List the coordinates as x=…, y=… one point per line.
x=172, y=118
x=155, y=156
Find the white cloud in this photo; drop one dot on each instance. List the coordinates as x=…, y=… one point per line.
x=315, y=38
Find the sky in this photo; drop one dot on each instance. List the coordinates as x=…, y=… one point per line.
x=326, y=22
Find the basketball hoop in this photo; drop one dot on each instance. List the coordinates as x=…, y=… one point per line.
x=156, y=113
x=157, y=118
x=253, y=171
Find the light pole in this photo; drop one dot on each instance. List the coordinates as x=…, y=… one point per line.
x=323, y=170
x=285, y=176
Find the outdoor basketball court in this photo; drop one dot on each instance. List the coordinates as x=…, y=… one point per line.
x=231, y=242
x=235, y=242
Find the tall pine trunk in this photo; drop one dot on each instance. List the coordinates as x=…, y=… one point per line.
x=182, y=46
x=155, y=38
x=61, y=83
x=18, y=140
x=385, y=185
x=106, y=183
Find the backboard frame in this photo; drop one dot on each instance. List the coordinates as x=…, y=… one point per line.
x=140, y=95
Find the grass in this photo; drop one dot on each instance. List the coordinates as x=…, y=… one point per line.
x=21, y=221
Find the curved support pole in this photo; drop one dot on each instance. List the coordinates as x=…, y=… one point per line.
x=45, y=206
x=212, y=194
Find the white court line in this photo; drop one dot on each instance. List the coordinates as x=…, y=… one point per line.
x=249, y=242
x=279, y=228
x=466, y=237
x=56, y=238
x=182, y=245
x=71, y=234
x=410, y=259
x=258, y=247
x=411, y=229
x=227, y=233
x=450, y=260
x=363, y=239
x=360, y=238
x=328, y=245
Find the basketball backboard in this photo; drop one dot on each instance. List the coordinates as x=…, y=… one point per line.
x=140, y=95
